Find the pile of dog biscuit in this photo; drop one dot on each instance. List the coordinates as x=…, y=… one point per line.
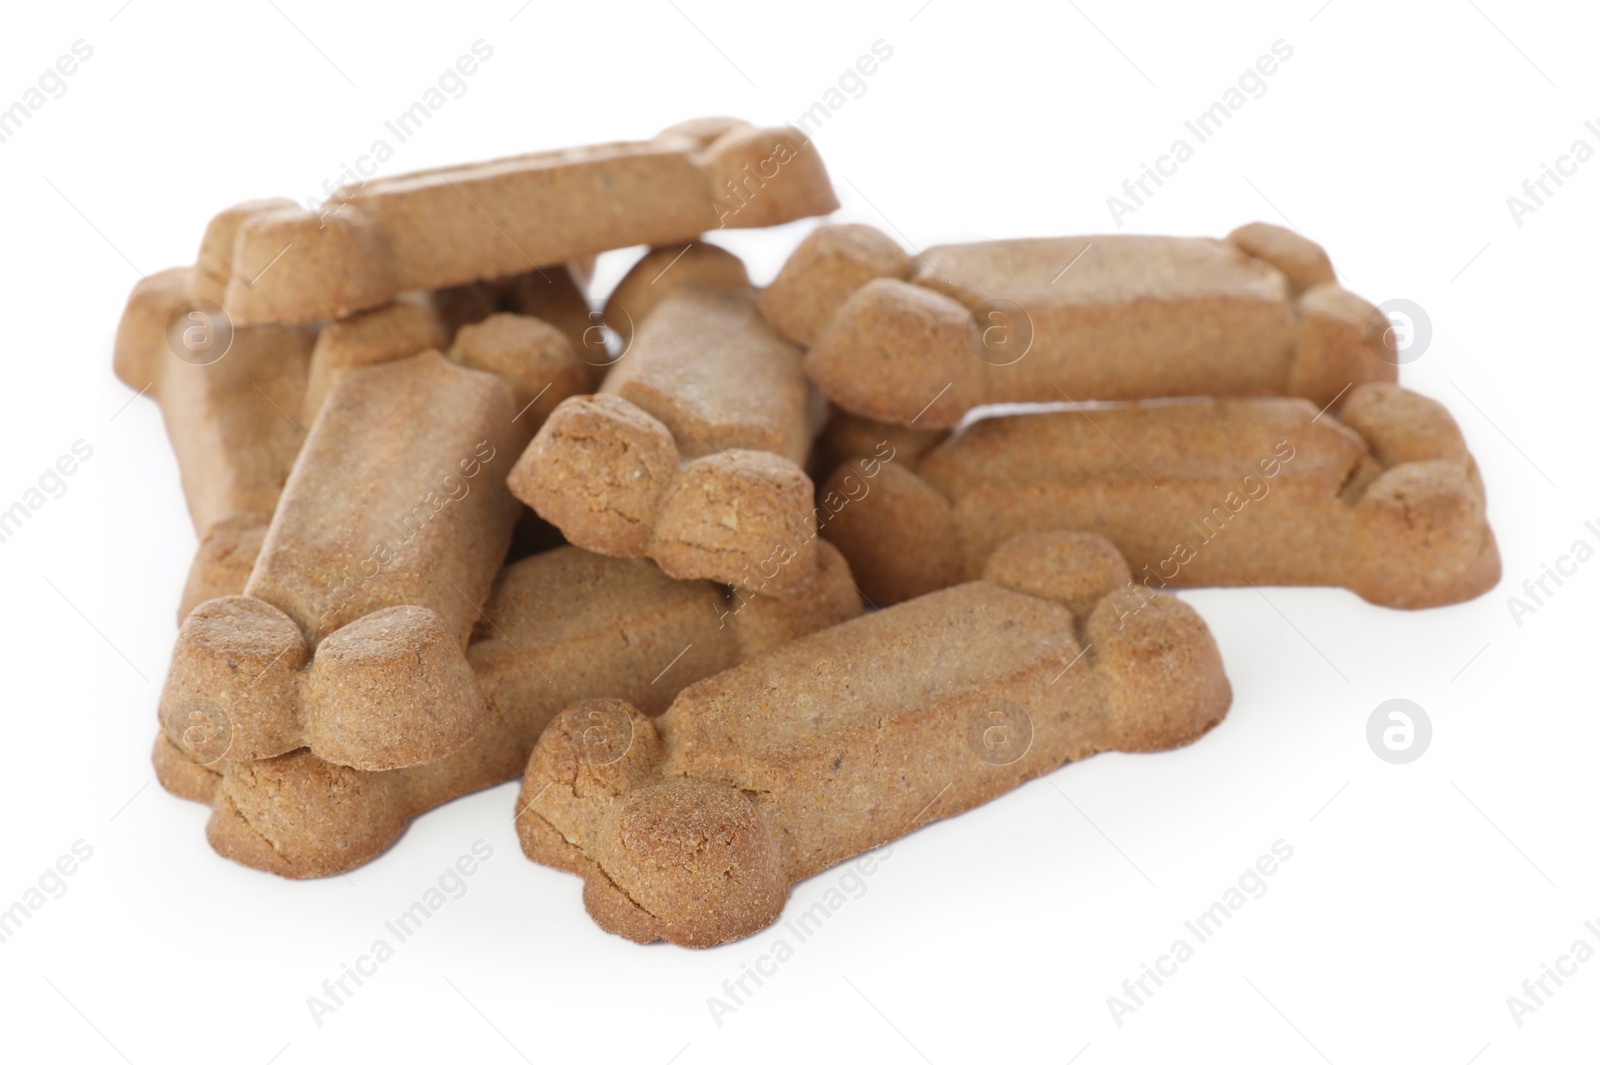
x=741, y=582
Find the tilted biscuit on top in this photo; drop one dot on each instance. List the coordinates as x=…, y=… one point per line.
x=437, y=228
x=693, y=452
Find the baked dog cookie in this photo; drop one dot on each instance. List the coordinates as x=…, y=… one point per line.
x=561, y=627
x=1382, y=498
x=921, y=342
x=840, y=741
x=227, y=397
x=350, y=634
x=451, y=226
x=237, y=401
x=693, y=452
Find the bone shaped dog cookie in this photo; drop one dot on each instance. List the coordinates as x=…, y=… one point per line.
x=692, y=454
x=350, y=634
x=227, y=397
x=560, y=627
x=236, y=401
x=1072, y=318
x=451, y=226
x=840, y=741
x=1382, y=498
x=534, y=356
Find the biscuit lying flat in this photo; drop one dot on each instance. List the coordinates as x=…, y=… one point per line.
x=1072, y=319
x=840, y=741
x=454, y=225
x=693, y=452
x=350, y=634
x=227, y=397
x=1382, y=499
x=560, y=627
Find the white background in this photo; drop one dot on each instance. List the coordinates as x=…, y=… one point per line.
x=1419, y=896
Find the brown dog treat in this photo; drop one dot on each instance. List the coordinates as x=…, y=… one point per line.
x=181, y=777
x=350, y=634
x=397, y=331
x=1077, y=319
x=830, y=264
x=560, y=627
x=1303, y=262
x=228, y=397
x=463, y=305
x=849, y=436
x=225, y=558
x=692, y=453
x=824, y=748
x=664, y=271
x=1382, y=499
x=231, y=398
x=555, y=294
x=439, y=228
x=533, y=357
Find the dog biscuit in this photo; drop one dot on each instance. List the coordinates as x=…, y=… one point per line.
x=849, y=436
x=838, y=742
x=553, y=294
x=560, y=627
x=440, y=228
x=1382, y=498
x=227, y=397
x=1072, y=319
x=692, y=454
x=350, y=635
x=386, y=334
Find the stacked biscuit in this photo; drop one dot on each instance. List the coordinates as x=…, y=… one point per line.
x=450, y=535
